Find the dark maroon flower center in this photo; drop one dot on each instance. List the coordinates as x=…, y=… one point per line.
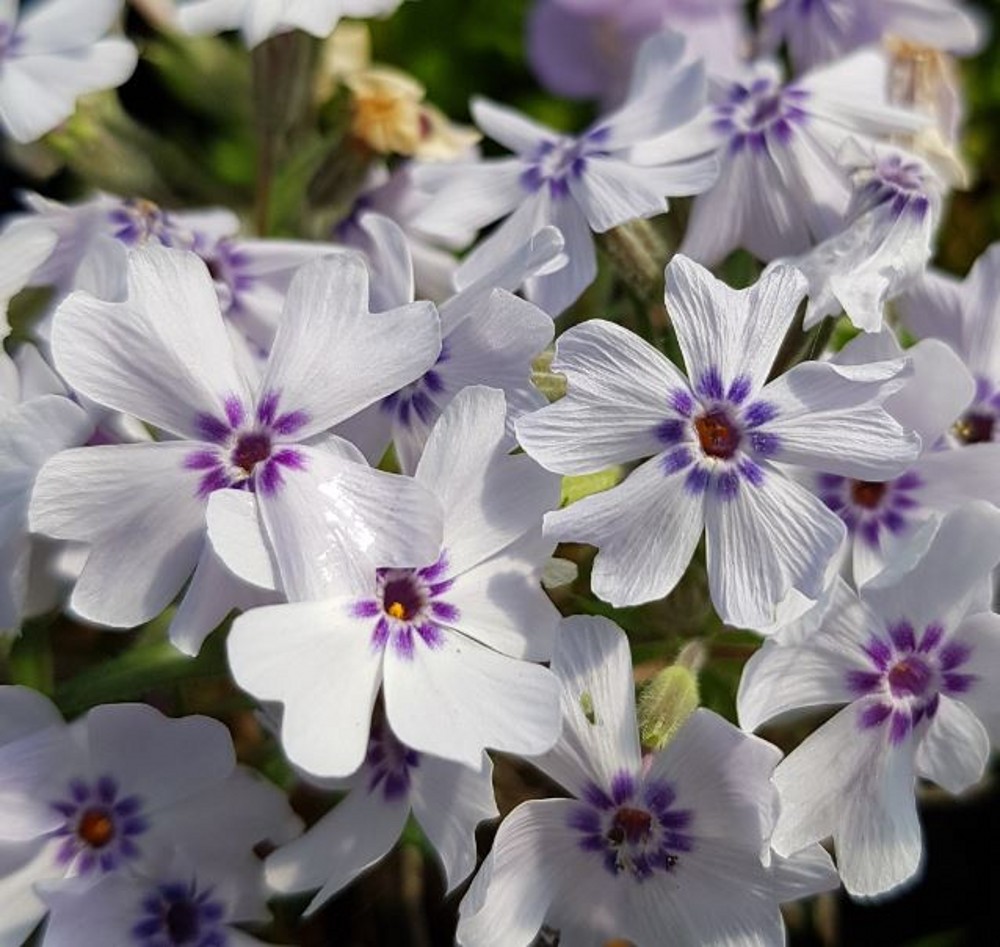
x=867, y=493
x=975, y=428
x=717, y=434
x=250, y=450
x=630, y=825
x=96, y=827
x=181, y=922
x=402, y=599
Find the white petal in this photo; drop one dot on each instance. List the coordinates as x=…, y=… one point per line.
x=22, y=867
x=933, y=309
x=163, y=355
x=39, y=91
x=66, y=24
x=318, y=660
x=946, y=579
x=955, y=749
x=360, y=831
x=501, y=602
x=390, y=262
x=830, y=417
x=138, y=507
x=492, y=498
x=981, y=633
x=23, y=247
x=472, y=195
x=803, y=874
x=534, y=855
x=24, y=711
x=167, y=761
x=210, y=16
x=211, y=595
x=457, y=698
x=449, y=801
x=646, y=530
x=330, y=523
x=619, y=389
x=237, y=535
x=765, y=541
x=719, y=216
x=611, y=192
x=850, y=782
x=736, y=332
x=599, y=737
x=557, y=291
x=981, y=336
x=512, y=129
x=331, y=357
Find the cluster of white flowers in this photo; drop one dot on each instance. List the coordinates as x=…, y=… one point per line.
x=200, y=421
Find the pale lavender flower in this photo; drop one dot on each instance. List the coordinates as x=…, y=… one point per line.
x=886, y=241
x=50, y=55
x=718, y=444
x=671, y=848
x=447, y=799
x=780, y=189
x=966, y=315
x=164, y=356
x=821, y=31
x=576, y=183
x=120, y=790
x=449, y=643
x=587, y=50
x=915, y=660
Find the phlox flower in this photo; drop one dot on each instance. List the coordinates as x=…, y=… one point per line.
x=882, y=516
x=178, y=904
x=447, y=799
x=121, y=790
x=32, y=429
x=258, y=19
x=488, y=337
x=449, y=642
x=586, y=49
x=886, y=242
x=780, y=188
x=576, y=183
x=163, y=355
x=53, y=53
x=718, y=442
x=914, y=658
x=966, y=315
x=670, y=848
x=819, y=31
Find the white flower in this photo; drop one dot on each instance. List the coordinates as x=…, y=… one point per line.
x=915, y=659
x=447, y=642
x=120, y=790
x=966, y=315
x=886, y=240
x=259, y=19
x=488, y=337
x=780, y=189
x=882, y=516
x=717, y=442
x=819, y=31
x=53, y=54
x=31, y=431
x=163, y=356
x=447, y=799
x=578, y=184
x=673, y=848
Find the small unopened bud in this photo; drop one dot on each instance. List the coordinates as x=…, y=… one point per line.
x=670, y=698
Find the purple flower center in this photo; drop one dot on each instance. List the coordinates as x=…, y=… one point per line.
x=251, y=449
x=716, y=435
x=634, y=827
x=554, y=163
x=906, y=675
x=179, y=914
x=409, y=605
x=762, y=111
x=868, y=507
x=245, y=453
x=100, y=826
x=389, y=763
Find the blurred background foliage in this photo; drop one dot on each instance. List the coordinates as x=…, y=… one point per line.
x=195, y=126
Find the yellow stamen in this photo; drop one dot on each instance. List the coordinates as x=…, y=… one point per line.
x=397, y=610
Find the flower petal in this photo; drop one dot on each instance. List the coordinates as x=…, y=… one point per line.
x=955, y=749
